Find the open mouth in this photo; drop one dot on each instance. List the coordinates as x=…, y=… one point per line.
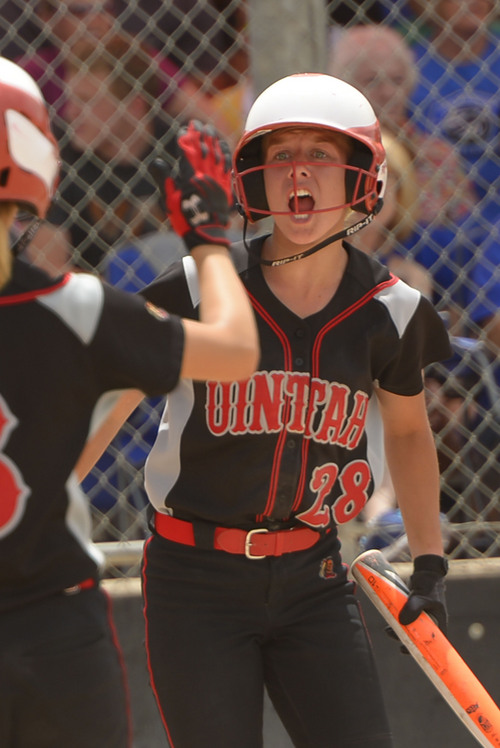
x=301, y=203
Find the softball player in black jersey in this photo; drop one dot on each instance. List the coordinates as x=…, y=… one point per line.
x=66, y=344
x=244, y=583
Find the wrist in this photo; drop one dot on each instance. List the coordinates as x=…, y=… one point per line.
x=432, y=563
x=203, y=237
x=202, y=251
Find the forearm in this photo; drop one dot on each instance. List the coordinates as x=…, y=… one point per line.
x=97, y=443
x=414, y=470
x=224, y=344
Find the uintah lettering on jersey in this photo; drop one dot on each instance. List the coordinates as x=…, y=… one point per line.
x=316, y=408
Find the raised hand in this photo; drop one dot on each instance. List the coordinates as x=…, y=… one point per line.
x=198, y=189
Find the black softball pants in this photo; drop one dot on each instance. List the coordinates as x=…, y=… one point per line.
x=62, y=681
x=219, y=627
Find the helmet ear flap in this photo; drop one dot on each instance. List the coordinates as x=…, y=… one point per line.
x=360, y=182
x=249, y=181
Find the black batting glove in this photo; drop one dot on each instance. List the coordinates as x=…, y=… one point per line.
x=198, y=190
x=427, y=591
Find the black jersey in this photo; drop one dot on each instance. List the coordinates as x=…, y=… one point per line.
x=65, y=345
x=292, y=442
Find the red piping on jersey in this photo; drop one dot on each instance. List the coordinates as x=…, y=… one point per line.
x=271, y=499
x=302, y=476
x=22, y=298
x=343, y=315
x=314, y=373
x=315, y=366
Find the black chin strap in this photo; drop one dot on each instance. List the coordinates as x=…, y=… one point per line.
x=300, y=255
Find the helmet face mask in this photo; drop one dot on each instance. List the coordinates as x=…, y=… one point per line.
x=29, y=155
x=361, y=189
x=312, y=101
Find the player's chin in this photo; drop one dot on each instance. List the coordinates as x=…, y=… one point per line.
x=299, y=227
x=314, y=231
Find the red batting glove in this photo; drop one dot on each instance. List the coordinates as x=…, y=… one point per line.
x=198, y=191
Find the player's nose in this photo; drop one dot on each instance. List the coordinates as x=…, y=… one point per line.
x=298, y=170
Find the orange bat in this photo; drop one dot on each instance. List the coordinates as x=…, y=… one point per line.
x=437, y=657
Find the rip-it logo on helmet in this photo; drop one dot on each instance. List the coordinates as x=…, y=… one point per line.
x=319, y=101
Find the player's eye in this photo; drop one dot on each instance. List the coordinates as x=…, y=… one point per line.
x=281, y=156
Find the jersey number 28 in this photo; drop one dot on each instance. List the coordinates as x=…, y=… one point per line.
x=354, y=481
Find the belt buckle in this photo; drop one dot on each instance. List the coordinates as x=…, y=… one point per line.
x=248, y=543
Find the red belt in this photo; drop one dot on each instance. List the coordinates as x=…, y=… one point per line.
x=254, y=544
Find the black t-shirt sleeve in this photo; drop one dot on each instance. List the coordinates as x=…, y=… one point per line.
x=137, y=344
x=176, y=290
x=423, y=341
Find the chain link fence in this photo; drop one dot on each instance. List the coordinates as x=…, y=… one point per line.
x=120, y=77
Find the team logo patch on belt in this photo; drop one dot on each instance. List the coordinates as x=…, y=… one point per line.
x=326, y=568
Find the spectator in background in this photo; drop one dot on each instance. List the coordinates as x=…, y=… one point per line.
x=206, y=36
x=377, y=61
x=457, y=93
x=76, y=29
x=112, y=133
x=413, y=18
x=396, y=221
x=19, y=16
x=460, y=398
x=207, y=39
x=70, y=28
x=457, y=97
x=486, y=304
x=49, y=249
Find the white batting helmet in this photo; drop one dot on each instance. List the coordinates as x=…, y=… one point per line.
x=320, y=101
x=29, y=155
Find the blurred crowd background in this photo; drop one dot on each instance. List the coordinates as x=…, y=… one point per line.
x=121, y=76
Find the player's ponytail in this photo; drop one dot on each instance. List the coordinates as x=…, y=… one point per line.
x=7, y=214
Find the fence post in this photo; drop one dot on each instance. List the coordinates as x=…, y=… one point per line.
x=286, y=36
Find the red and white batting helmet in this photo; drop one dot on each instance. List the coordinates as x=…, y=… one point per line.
x=29, y=155
x=320, y=101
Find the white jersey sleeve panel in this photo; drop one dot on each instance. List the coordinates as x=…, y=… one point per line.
x=375, y=442
x=103, y=408
x=79, y=521
x=401, y=301
x=78, y=304
x=191, y=274
x=163, y=464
